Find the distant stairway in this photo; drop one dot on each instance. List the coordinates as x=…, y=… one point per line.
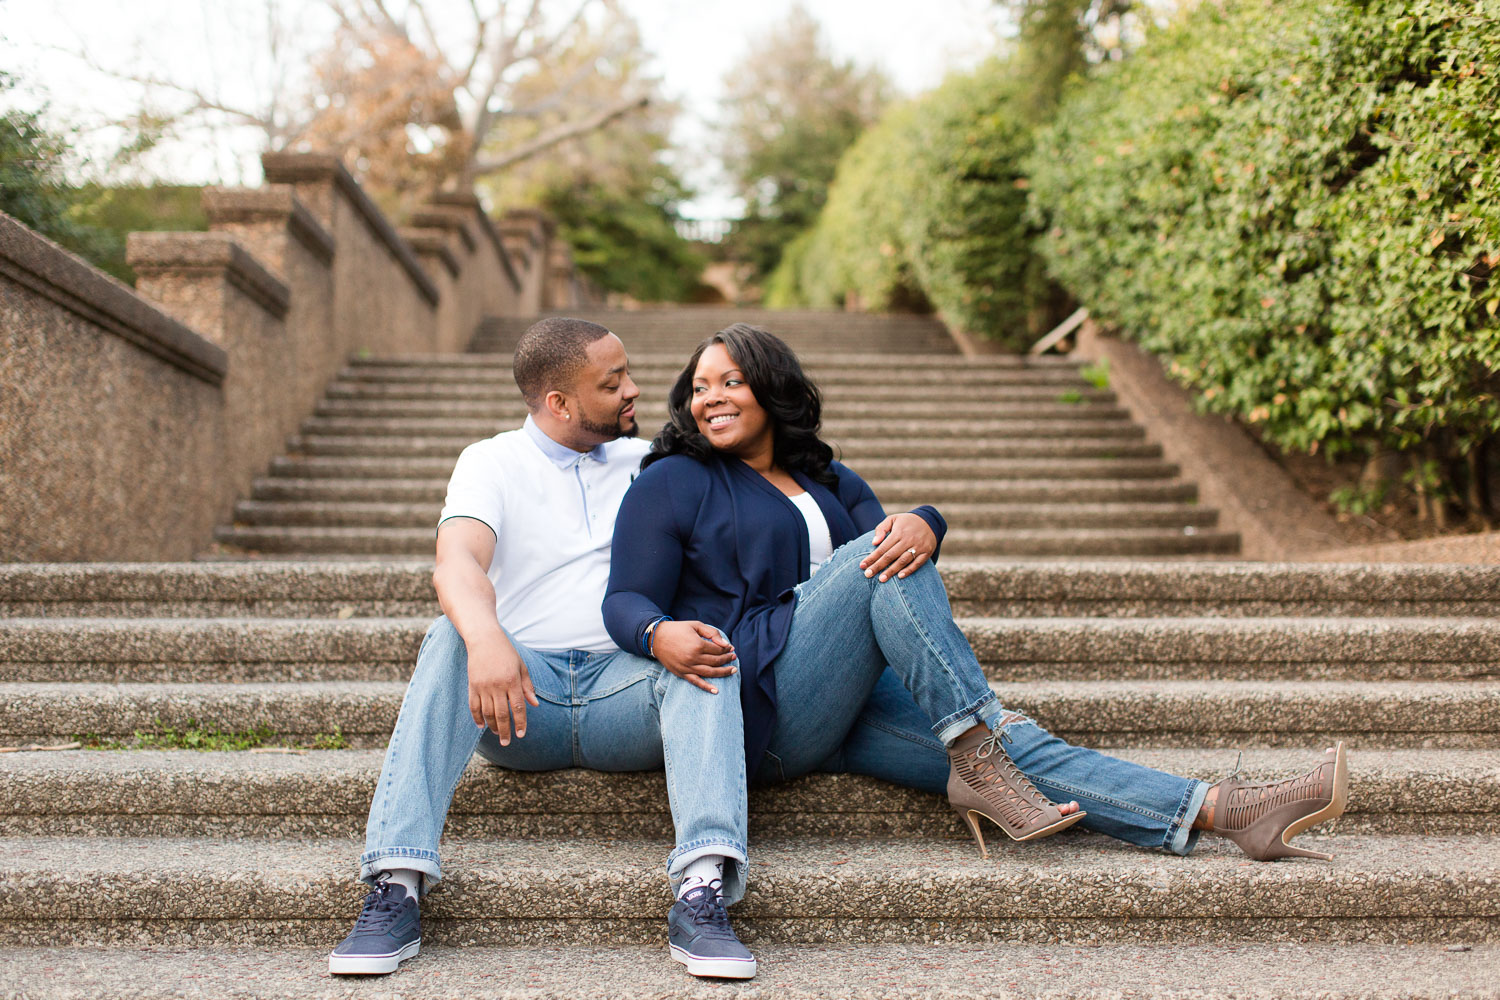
x=1023, y=456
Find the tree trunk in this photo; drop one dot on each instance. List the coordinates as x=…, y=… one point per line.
x=1481, y=502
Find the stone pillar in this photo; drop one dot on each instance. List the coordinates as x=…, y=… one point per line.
x=213, y=285
x=282, y=233
x=384, y=301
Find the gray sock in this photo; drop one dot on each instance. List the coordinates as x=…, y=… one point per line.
x=707, y=870
x=408, y=878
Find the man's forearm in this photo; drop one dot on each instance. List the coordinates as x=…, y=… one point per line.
x=468, y=599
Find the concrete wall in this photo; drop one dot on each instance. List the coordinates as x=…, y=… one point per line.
x=130, y=421
x=111, y=415
x=1276, y=520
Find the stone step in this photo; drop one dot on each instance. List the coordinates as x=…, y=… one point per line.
x=897, y=493
x=822, y=361
x=680, y=344
x=1049, y=542
x=199, y=648
x=682, y=339
x=713, y=317
x=1144, y=713
x=326, y=793
x=1290, y=971
x=475, y=420
x=1091, y=542
x=346, y=438
x=830, y=370
x=661, y=378
x=1071, y=887
x=667, y=335
x=958, y=515
x=1086, y=403
x=422, y=402
x=1200, y=592
x=906, y=468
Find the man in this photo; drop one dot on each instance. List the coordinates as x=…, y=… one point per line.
x=520, y=666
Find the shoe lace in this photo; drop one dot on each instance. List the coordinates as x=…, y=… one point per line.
x=992, y=746
x=380, y=907
x=708, y=911
x=989, y=747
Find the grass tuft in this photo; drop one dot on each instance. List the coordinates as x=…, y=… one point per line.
x=196, y=737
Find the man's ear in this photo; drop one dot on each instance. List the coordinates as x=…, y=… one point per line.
x=557, y=405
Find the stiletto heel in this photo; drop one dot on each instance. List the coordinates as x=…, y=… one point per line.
x=1262, y=818
x=984, y=781
x=967, y=815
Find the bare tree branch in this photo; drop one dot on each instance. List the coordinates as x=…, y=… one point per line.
x=540, y=51
x=554, y=136
x=432, y=35
x=557, y=97
x=393, y=25
x=481, y=39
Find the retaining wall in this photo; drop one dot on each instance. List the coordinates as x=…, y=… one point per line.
x=1276, y=520
x=131, y=420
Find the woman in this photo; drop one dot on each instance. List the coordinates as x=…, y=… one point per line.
x=743, y=541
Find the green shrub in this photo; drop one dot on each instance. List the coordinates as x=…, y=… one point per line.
x=1297, y=206
x=33, y=183
x=929, y=207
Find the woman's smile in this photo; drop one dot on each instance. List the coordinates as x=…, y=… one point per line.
x=726, y=411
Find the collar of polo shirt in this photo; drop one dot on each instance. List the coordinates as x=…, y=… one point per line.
x=561, y=455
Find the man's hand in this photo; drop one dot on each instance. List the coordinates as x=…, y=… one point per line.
x=499, y=688
x=903, y=542
x=693, y=651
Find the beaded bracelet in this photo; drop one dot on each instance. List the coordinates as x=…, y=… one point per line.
x=651, y=635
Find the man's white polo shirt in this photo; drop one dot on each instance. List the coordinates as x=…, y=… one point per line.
x=552, y=510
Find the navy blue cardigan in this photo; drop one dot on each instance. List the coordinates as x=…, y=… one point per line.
x=716, y=542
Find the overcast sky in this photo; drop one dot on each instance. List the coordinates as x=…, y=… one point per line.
x=916, y=42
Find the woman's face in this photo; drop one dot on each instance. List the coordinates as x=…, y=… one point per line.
x=725, y=409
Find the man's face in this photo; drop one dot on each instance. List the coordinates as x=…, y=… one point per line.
x=605, y=394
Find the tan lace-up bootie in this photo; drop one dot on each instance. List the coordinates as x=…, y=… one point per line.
x=984, y=781
x=1262, y=817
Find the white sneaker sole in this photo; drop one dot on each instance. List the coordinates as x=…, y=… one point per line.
x=371, y=965
x=719, y=968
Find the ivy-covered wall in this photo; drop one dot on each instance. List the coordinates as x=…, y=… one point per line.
x=1296, y=205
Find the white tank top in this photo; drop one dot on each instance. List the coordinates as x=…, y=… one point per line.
x=819, y=541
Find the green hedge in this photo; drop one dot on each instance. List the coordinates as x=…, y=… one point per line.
x=1296, y=204
x=929, y=206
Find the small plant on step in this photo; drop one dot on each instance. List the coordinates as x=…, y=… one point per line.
x=330, y=741
x=1096, y=375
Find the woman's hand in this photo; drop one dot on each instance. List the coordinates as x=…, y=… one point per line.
x=692, y=651
x=903, y=542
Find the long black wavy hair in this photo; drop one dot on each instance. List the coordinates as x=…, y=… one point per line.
x=783, y=390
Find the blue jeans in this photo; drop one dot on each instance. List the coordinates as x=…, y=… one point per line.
x=876, y=678
x=606, y=711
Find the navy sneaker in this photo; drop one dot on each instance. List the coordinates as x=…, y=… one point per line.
x=387, y=933
x=700, y=937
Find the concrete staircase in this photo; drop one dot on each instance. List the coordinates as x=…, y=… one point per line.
x=677, y=330
x=1027, y=457
x=174, y=873
x=192, y=853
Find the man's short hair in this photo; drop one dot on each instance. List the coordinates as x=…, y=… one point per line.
x=551, y=354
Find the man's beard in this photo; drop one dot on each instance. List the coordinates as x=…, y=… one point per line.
x=609, y=431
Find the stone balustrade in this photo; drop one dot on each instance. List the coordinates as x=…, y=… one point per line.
x=130, y=421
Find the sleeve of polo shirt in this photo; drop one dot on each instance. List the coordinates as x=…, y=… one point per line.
x=474, y=489
x=645, y=559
